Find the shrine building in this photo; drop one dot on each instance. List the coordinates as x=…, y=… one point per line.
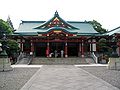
x=42, y=38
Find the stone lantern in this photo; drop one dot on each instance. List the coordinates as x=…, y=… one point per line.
x=114, y=60
x=5, y=64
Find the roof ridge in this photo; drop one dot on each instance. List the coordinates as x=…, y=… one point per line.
x=45, y=21
x=33, y=21
x=77, y=22
x=113, y=29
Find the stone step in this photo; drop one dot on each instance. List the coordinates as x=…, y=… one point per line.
x=24, y=61
x=60, y=61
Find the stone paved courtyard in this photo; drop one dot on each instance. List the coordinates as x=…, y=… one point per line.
x=65, y=77
x=16, y=79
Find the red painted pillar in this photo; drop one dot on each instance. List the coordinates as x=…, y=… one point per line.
x=47, y=50
x=79, y=52
x=66, y=50
x=82, y=49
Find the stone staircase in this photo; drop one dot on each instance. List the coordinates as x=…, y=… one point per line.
x=61, y=61
x=24, y=61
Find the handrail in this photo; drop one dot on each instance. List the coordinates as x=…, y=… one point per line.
x=94, y=57
x=30, y=58
x=20, y=57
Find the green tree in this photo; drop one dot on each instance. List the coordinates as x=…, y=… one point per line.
x=10, y=23
x=98, y=27
x=13, y=45
x=104, y=46
x=13, y=49
x=4, y=28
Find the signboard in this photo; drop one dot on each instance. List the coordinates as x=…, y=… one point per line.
x=39, y=34
x=56, y=31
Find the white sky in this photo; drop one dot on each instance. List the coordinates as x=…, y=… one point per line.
x=104, y=11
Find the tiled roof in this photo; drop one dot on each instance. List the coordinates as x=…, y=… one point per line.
x=111, y=32
x=34, y=27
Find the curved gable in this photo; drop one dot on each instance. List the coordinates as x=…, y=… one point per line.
x=56, y=21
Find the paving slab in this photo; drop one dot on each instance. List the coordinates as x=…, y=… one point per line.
x=26, y=66
x=65, y=77
x=87, y=65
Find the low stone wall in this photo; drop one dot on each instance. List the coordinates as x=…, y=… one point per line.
x=114, y=63
x=5, y=64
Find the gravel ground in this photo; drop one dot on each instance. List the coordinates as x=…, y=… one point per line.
x=14, y=80
x=110, y=76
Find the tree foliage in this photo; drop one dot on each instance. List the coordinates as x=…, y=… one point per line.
x=4, y=28
x=104, y=46
x=12, y=47
x=13, y=50
x=12, y=44
x=97, y=26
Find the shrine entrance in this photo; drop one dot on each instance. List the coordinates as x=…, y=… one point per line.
x=59, y=43
x=40, y=49
x=57, y=47
x=73, y=49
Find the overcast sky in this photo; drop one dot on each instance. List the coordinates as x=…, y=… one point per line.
x=104, y=11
